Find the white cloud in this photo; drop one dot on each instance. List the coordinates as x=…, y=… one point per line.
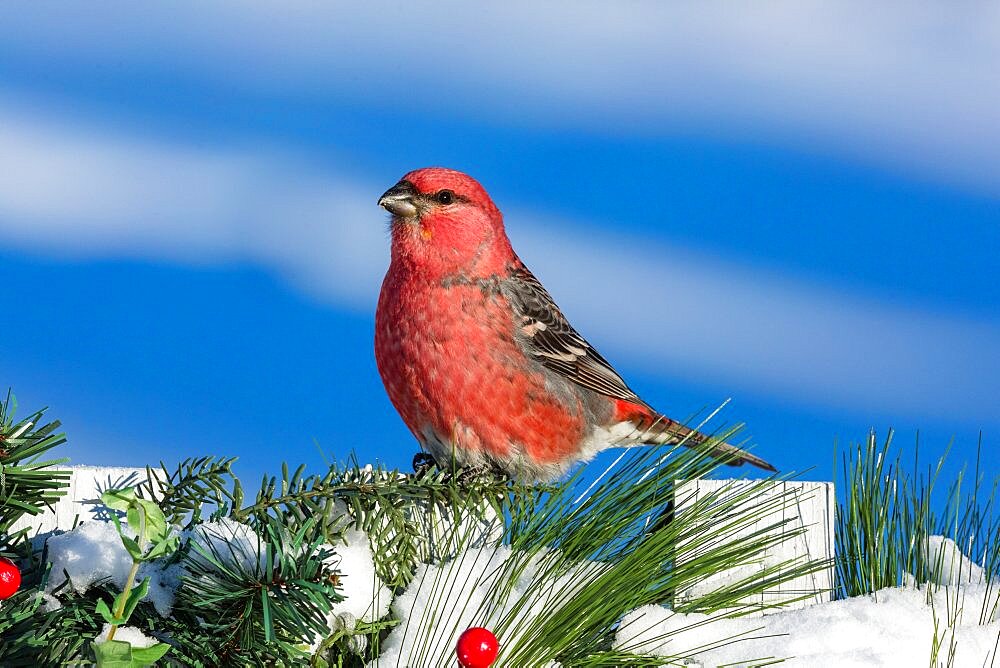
x=79, y=192
x=72, y=190
x=909, y=85
x=753, y=329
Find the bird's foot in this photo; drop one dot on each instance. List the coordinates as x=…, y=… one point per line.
x=471, y=475
x=422, y=463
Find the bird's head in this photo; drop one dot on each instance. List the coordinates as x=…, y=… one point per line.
x=444, y=221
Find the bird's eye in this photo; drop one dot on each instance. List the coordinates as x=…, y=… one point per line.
x=445, y=197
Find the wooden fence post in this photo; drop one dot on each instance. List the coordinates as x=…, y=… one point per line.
x=808, y=506
x=82, y=500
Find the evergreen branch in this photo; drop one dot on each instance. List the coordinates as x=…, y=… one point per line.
x=589, y=558
x=303, y=494
x=32, y=636
x=28, y=484
x=263, y=596
x=407, y=516
x=194, y=484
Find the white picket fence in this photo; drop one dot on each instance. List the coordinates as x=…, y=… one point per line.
x=809, y=507
x=83, y=497
x=806, y=507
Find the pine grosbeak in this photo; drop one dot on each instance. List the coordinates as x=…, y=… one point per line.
x=477, y=358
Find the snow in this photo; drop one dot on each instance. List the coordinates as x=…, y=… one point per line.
x=367, y=599
x=893, y=627
x=93, y=553
x=444, y=600
x=90, y=553
x=234, y=544
x=950, y=565
x=49, y=602
x=463, y=587
x=129, y=634
x=438, y=531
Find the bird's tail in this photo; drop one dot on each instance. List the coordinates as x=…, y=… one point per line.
x=657, y=429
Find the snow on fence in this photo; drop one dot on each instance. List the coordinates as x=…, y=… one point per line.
x=811, y=507
x=807, y=506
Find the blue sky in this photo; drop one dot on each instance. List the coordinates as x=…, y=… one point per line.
x=190, y=251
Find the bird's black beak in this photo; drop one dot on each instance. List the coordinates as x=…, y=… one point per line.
x=400, y=200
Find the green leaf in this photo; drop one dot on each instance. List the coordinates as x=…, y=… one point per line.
x=147, y=656
x=133, y=515
x=104, y=611
x=130, y=543
x=120, y=654
x=136, y=595
x=164, y=546
x=117, y=523
x=113, y=654
x=133, y=548
x=156, y=522
x=118, y=499
x=144, y=517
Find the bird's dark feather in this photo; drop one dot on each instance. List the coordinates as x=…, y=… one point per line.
x=551, y=340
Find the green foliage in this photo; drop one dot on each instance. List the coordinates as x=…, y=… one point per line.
x=152, y=540
x=120, y=654
x=602, y=549
x=31, y=635
x=886, y=515
x=147, y=522
x=884, y=521
x=194, y=485
x=28, y=483
x=599, y=550
x=397, y=510
x=273, y=594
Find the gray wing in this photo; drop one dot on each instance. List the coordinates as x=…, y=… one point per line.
x=551, y=340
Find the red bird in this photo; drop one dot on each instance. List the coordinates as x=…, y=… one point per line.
x=477, y=358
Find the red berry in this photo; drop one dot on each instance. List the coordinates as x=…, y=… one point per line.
x=477, y=648
x=10, y=578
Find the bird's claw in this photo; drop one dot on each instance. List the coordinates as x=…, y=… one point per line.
x=470, y=474
x=480, y=474
x=422, y=463
x=466, y=476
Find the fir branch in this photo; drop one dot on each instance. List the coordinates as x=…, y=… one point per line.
x=32, y=636
x=263, y=600
x=193, y=485
x=402, y=513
